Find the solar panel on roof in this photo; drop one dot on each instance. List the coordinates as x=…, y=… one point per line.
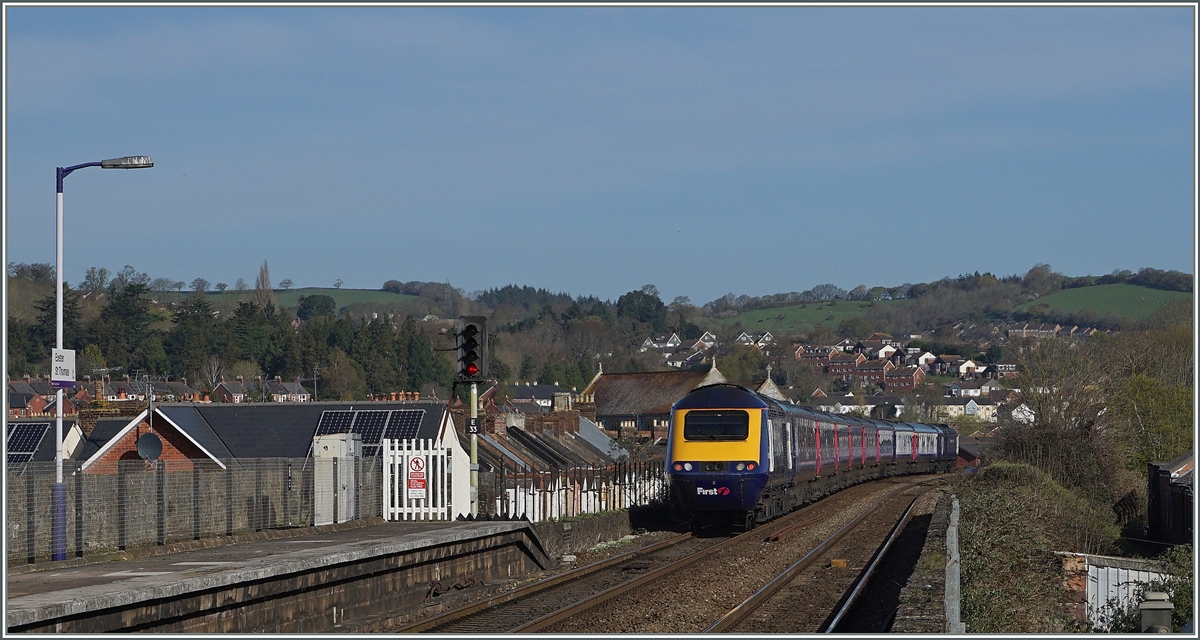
x=10, y=430
x=335, y=422
x=26, y=436
x=18, y=458
x=403, y=424
x=370, y=425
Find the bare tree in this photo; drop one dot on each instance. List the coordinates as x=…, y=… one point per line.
x=240, y=285
x=199, y=285
x=162, y=285
x=285, y=284
x=337, y=284
x=212, y=371
x=263, y=294
x=178, y=286
x=221, y=287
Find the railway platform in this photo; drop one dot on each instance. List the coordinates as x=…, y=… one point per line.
x=325, y=581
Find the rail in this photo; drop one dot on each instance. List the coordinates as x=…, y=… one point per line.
x=738, y=613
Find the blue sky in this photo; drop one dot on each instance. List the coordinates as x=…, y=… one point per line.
x=705, y=150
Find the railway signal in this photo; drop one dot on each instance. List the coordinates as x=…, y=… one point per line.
x=472, y=343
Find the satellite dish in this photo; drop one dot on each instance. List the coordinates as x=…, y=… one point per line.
x=149, y=446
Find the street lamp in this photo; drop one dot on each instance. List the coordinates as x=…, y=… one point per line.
x=58, y=549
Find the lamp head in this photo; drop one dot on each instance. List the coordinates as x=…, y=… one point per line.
x=128, y=162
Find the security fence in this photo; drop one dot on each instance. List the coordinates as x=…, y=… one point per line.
x=136, y=503
x=564, y=493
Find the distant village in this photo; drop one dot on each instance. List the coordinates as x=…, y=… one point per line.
x=877, y=377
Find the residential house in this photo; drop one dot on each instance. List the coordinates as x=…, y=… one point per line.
x=980, y=408
x=232, y=392
x=964, y=369
x=281, y=391
x=998, y=370
x=638, y=405
x=760, y=340
x=921, y=359
x=885, y=338
x=873, y=371
x=845, y=345
x=664, y=341
x=844, y=364
x=532, y=398
x=903, y=379
x=1029, y=330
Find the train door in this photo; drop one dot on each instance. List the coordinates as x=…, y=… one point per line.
x=837, y=457
x=915, y=445
x=862, y=443
x=789, y=434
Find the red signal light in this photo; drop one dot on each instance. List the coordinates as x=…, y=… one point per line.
x=471, y=369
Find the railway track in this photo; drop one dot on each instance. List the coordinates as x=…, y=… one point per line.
x=686, y=602
x=548, y=602
x=760, y=599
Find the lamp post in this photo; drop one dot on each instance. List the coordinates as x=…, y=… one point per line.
x=58, y=549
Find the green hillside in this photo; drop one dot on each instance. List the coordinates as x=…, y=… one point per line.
x=802, y=318
x=1126, y=300
x=343, y=297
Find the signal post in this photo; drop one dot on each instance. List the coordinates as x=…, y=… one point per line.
x=472, y=342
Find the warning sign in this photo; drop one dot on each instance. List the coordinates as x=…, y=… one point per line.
x=416, y=478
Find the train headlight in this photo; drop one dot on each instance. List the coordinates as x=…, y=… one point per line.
x=741, y=466
x=687, y=466
x=678, y=467
x=751, y=466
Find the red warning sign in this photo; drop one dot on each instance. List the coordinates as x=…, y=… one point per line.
x=416, y=478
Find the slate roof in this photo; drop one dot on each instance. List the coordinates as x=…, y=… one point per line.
x=520, y=392
x=258, y=430
x=104, y=431
x=643, y=393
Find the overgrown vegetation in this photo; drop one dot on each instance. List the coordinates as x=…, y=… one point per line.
x=1089, y=417
x=1013, y=517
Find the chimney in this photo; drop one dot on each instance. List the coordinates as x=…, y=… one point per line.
x=416, y=396
x=278, y=380
x=240, y=380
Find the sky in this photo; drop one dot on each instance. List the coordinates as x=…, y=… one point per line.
x=705, y=150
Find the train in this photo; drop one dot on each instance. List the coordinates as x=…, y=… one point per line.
x=738, y=458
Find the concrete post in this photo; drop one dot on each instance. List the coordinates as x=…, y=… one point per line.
x=1156, y=613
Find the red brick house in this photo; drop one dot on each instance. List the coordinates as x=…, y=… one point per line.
x=844, y=364
x=904, y=379
x=110, y=448
x=873, y=371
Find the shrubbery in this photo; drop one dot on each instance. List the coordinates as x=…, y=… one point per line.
x=1013, y=518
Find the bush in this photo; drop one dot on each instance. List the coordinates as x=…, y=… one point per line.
x=1014, y=517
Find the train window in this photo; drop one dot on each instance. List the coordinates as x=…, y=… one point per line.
x=716, y=425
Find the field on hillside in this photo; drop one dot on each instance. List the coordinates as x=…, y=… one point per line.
x=1126, y=300
x=802, y=318
x=343, y=297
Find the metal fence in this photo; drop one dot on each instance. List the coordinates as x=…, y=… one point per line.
x=136, y=503
x=548, y=495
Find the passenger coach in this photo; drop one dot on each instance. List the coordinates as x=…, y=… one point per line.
x=735, y=456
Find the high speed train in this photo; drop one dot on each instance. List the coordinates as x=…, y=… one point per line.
x=737, y=457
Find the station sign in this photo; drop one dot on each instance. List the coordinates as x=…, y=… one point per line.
x=62, y=369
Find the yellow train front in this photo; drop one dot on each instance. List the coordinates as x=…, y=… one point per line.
x=717, y=455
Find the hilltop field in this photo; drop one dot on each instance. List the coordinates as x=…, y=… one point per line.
x=1125, y=300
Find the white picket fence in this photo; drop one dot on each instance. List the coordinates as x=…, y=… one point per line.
x=541, y=496
x=416, y=480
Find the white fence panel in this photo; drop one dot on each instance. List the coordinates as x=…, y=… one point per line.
x=416, y=480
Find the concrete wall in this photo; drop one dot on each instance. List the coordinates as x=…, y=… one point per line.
x=150, y=504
